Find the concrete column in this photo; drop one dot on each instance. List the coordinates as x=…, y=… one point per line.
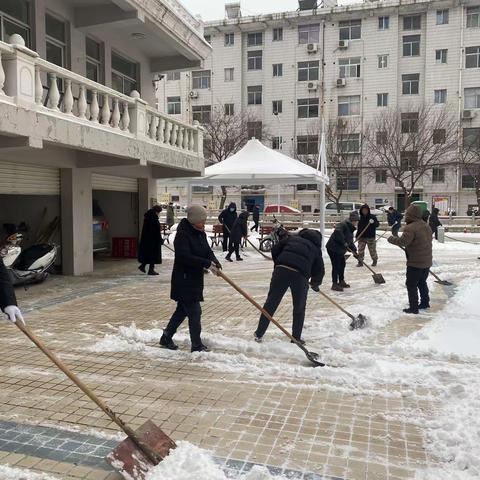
x=147, y=197
x=77, y=234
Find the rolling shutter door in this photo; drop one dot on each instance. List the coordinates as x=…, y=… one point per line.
x=23, y=179
x=116, y=184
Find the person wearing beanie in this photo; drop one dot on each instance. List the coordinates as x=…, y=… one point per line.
x=193, y=256
x=367, y=224
x=339, y=242
x=150, y=247
x=416, y=240
x=239, y=231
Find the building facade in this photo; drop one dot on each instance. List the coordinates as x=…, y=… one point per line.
x=351, y=61
x=79, y=130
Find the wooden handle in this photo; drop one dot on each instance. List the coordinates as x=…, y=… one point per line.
x=361, y=233
x=150, y=454
x=258, y=250
x=363, y=263
x=336, y=304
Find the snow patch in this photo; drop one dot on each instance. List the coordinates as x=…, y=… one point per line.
x=10, y=473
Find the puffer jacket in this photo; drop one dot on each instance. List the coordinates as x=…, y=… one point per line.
x=416, y=239
x=239, y=228
x=228, y=216
x=342, y=238
x=371, y=231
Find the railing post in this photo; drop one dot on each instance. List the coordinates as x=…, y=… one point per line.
x=198, y=139
x=138, y=116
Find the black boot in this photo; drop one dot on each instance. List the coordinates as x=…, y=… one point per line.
x=167, y=342
x=336, y=287
x=374, y=263
x=152, y=272
x=239, y=259
x=344, y=284
x=424, y=305
x=142, y=268
x=228, y=258
x=301, y=341
x=411, y=310
x=200, y=348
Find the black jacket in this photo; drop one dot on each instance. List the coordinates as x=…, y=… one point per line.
x=393, y=217
x=192, y=255
x=149, y=250
x=7, y=294
x=371, y=231
x=303, y=252
x=239, y=228
x=434, y=221
x=256, y=214
x=228, y=217
x=341, y=238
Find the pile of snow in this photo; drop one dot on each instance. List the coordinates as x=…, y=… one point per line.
x=9, y=473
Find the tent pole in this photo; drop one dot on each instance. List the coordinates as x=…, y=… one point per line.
x=278, y=198
x=189, y=194
x=322, y=208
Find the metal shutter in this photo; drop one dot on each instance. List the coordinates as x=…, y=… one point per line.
x=20, y=179
x=116, y=184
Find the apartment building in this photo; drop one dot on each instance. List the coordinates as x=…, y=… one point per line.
x=352, y=61
x=78, y=123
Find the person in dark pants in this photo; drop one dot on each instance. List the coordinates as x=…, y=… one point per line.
x=394, y=219
x=255, y=218
x=434, y=222
x=150, y=248
x=227, y=217
x=416, y=240
x=339, y=242
x=8, y=300
x=192, y=256
x=369, y=222
x=297, y=259
x=239, y=231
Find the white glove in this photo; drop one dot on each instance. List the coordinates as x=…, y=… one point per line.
x=13, y=313
x=371, y=221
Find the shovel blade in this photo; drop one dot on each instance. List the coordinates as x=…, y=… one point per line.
x=130, y=461
x=443, y=282
x=358, y=322
x=378, y=278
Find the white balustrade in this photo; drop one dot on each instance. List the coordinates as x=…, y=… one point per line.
x=2, y=76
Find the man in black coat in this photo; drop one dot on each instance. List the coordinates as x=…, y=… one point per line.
x=150, y=248
x=239, y=231
x=298, y=259
x=369, y=223
x=8, y=301
x=227, y=218
x=338, y=244
x=255, y=218
x=394, y=218
x=435, y=222
x=193, y=255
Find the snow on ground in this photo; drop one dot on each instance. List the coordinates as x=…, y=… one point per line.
x=9, y=473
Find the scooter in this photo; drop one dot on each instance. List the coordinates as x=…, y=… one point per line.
x=30, y=265
x=278, y=232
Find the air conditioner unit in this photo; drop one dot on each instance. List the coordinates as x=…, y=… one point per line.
x=343, y=44
x=467, y=115
x=312, y=85
x=341, y=82
x=312, y=47
x=193, y=94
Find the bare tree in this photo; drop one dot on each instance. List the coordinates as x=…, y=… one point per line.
x=408, y=143
x=469, y=158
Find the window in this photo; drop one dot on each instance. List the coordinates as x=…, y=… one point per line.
x=473, y=17
x=441, y=55
x=472, y=98
x=409, y=122
x=348, y=180
x=349, y=67
x=471, y=138
x=349, y=105
x=254, y=95
x=382, y=99
x=277, y=143
x=229, y=39
x=208, y=38
x=277, y=34
x=380, y=176
x=174, y=106
x=411, y=45
x=472, y=57
x=93, y=65
x=229, y=74
x=408, y=161
x=201, y=79
x=229, y=109
x=56, y=40
x=413, y=22
x=439, y=136
x=254, y=130
x=307, y=144
x=15, y=18
x=383, y=23
x=468, y=181
x=307, y=187
x=440, y=96
x=442, y=17
x=278, y=69
x=307, y=107
x=173, y=76
x=202, y=189
x=124, y=74
x=309, y=33
x=255, y=39
x=381, y=138
x=438, y=175
x=410, y=84
x=202, y=113
x=350, y=29
x=308, y=71
x=306, y=208
x=277, y=107
x=348, y=143
x=255, y=59
x=382, y=61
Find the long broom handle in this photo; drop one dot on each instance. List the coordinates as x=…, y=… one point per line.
x=432, y=273
x=336, y=304
x=150, y=454
x=364, y=264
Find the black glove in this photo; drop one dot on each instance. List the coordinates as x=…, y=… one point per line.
x=315, y=286
x=218, y=264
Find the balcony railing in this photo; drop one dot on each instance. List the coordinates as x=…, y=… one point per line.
x=65, y=93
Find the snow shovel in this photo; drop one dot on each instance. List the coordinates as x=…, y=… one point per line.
x=357, y=322
x=312, y=356
x=377, y=277
x=142, y=449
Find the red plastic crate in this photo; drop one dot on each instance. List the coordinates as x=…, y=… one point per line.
x=124, y=247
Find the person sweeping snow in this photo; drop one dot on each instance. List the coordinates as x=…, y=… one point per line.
x=297, y=259
x=416, y=240
x=8, y=300
x=367, y=224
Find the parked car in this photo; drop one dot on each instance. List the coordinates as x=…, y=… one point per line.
x=100, y=226
x=283, y=209
x=347, y=207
